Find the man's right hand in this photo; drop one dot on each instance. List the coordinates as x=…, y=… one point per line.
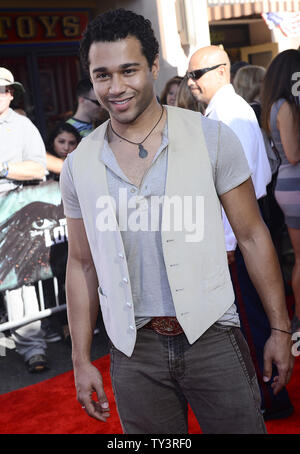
x=87, y=381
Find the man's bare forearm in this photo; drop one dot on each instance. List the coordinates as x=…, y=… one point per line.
x=83, y=305
x=54, y=164
x=263, y=267
x=26, y=170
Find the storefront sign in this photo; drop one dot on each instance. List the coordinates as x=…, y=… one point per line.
x=41, y=26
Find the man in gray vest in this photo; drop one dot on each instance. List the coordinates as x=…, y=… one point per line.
x=146, y=240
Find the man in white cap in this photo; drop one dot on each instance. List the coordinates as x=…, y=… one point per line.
x=22, y=157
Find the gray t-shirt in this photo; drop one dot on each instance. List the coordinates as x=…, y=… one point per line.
x=143, y=248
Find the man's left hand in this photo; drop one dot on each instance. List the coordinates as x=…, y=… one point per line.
x=278, y=351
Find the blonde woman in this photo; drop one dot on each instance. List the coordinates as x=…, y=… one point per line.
x=247, y=83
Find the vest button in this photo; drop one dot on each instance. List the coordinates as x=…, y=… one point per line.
x=125, y=280
x=129, y=304
x=131, y=327
x=121, y=255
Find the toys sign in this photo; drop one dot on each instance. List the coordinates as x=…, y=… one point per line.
x=41, y=26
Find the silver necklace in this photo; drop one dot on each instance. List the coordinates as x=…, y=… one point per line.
x=143, y=153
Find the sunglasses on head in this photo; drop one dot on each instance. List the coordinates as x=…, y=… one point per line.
x=92, y=100
x=6, y=89
x=195, y=75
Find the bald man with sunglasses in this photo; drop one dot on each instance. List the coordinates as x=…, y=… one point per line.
x=208, y=78
x=209, y=83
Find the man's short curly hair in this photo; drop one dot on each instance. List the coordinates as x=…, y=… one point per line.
x=115, y=25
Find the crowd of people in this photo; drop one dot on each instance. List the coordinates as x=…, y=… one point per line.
x=261, y=92
x=245, y=120
x=26, y=157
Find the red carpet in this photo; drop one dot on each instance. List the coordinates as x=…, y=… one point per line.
x=50, y=407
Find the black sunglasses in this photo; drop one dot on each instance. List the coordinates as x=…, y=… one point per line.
x=6, y=89
x=92, y=100
x=195, y=75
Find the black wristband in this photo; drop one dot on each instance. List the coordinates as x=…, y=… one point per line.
x=282, y=330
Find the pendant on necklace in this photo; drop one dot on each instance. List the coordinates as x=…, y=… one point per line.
x=142, y=152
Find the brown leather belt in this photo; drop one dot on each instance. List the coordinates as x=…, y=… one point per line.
x=167, y=326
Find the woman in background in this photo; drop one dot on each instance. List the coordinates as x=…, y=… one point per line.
x=185, y=99
x=61, y=141
x=247, y=83
x=168, y=95
x=281, y=120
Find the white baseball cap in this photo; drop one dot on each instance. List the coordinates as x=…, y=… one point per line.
x=6, y=78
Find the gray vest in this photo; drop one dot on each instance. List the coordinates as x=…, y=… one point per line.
x=198, y=272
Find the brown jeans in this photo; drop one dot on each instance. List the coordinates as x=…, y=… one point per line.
x=215, y=375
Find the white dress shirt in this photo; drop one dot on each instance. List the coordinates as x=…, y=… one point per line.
x=230, y=108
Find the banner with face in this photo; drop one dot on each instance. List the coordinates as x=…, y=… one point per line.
x=33, y=235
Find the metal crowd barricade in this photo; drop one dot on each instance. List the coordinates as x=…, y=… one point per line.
x=42, y=313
